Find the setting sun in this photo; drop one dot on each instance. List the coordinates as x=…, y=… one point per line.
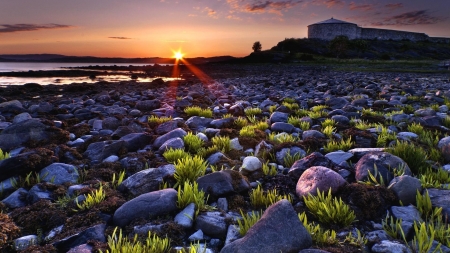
x=178, y=55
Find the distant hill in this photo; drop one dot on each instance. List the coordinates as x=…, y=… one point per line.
x=376, y=49
x=92, y=59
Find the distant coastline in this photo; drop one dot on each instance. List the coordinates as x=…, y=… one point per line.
x=92, y=59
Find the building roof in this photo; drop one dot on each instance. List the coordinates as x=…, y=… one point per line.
x=332, y=21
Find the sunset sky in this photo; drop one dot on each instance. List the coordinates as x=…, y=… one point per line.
x=154, y=28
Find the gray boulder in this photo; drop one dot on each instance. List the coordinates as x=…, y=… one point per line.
x=148, y=105
x=336, y=103
x=389, y=247
x=166, y=127
x=222, y=123
x=212, y=223
x=147, y=205
x=223, y=183
x=197, y=123
x=135, y=141
x=37, y=193
x=278, y=230
x=98, y=151
x=96, y=233
x=314, y=134
x=405, y=188
x=174, y=143
x=314, y=159
x=339, y=156
x=26, y=162
x=16, y=199
x=31, y=130
x=383, y=162
x=186, y=217
x=172, y=134
x=440, y=198
x=59, y=173
x=292, y=151
x=278, y=117
x=444, y=146
x=282, y=127
x=147, y=180
x=318, y=178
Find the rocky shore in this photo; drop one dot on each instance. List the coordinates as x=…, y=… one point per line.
x=287, y=127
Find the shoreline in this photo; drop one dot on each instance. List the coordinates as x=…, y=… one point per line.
x=102, y=129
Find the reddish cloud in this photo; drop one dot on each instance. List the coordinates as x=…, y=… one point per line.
x=211, y=13
x=361, y=7
x=329, y=3
x=422, y=17
x=262, y=6
x=7, y=28
x=394, y=6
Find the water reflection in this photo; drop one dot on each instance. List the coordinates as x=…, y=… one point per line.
x=69, y=80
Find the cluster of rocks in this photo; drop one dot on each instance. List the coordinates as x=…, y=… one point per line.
x=57, y=139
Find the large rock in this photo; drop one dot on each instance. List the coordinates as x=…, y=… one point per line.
x=170, y=135
x=135, y=141
x=292, y=151
x=21, y=164
x=223, y=183
x=440, y=198
x=31, y=131
x=318, y=178
x=95, y=233
x=314, y=159
x=212, y=223
x=278, y=230
x=147, y=205
x=59, y=173
x=444, y=146
x=278, y=117
x=383, y=162
x=405, y=188
x=148, y=105
x=98, y=151
x=197, y=123
x=147, y=180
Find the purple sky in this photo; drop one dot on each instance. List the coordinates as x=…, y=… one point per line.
x=147, y=28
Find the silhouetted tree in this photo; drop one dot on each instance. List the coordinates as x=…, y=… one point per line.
x=257, y=47
x=360, y=45
x=339, y=45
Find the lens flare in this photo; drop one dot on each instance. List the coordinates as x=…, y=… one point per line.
x=178, y=55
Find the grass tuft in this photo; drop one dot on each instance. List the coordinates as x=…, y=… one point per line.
x=193, y=142
x=189, y=169
x=329, y=210
x=122, y=244
x=247, y=221
x=191, y=194
x=92, y=199
x=260, y=199
x=172, y=155
x=198, y=111
x=222, y=143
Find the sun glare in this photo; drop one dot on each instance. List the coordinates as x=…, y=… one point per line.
x=178, y=55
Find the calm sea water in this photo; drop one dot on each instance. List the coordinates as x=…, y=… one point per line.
x=35, y=66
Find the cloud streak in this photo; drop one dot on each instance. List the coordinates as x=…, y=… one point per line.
x=394, y=6
x=275, y=7
x=420, y=17
x=329, y=3
x=119, y=38
x=361, y=7
x=11, y=28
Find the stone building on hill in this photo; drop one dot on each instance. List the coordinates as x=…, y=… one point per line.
x=330, y=28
